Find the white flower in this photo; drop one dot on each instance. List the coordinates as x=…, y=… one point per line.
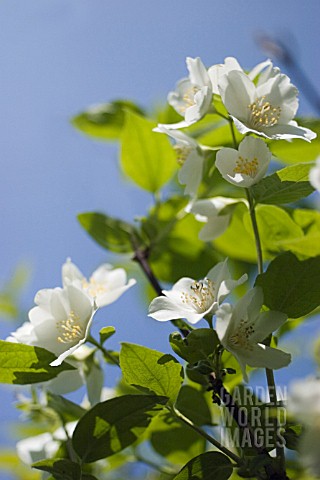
x=24, y=334
x=39, y=447
x=209, y=211
x=230, y=63
x=304, y=399
x=193, y=299
x=105, y=285
x=314, y=175
x=247, y=165
x=43, y=446
x=267, y=108
x=193, y=95
x=304, y=403
x=62, y=320
x=72, y=380
x=67, y=381
x=190, y=157
x=242, y=328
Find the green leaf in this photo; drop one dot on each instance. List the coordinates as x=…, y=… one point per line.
x=206, y=466
x=111, y=357
x=111, y=426
x=105, y=121
x=192, y=404
x=60, y=468
x=291, y=286
x=292, y=436
x=22, y=364
x=309, y=244
x=150, y=370
x=94, y=378
x=147, y=157
x=67, y=410
x=285, y=186
x=297, y=150
x=199, y=344
x=111, y=233
x=276, y=228
x=105, y=333
x=177, y=442
x=244, y=247
x=174, y=243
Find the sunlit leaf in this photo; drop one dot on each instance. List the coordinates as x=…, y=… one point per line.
x=104, y=121
x=113, y=425
x=297, y=151
x=150, y=370
x=22, y=364
x=147, y=157
x=207, y=466
x=105, y=333
x=291, y=286
x=284, y=186
x=111, y=233
x=60, y=468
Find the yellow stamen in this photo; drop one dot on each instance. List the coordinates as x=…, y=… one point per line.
x=263, y=114
x=247, y=167
x=182, y=153
x=201, y=296
x=69, y=329
x=241, y=339
x=93, y=287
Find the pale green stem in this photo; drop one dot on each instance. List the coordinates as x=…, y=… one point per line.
x=103, y=350
x=269, y=372
x=208, y=437
x=255, y=230
x=235, y=143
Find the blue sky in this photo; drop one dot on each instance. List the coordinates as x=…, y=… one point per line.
x=59, y=56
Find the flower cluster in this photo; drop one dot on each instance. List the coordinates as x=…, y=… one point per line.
x=62, y=318
x=241, y=328
x=262, y=102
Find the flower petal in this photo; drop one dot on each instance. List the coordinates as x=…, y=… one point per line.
x=198, y=72
x=71, y=350
x=280, y=92
x=267, y=323
x=111, y=296
x=266, y=357
x=258, y=69
x=190, y=173
x=70, y=273
x=249, y=306
x=163, y=309
x=223, y=318
x=217, y=71
x=213, y=229
x=237, y=92
x=314, y=175
x=247, y=165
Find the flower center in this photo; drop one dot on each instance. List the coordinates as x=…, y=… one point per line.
x=188, y=98
x=93, y=288
x=241, y=339
x=246, y=167
x=69, y=329
x=200, y=296
x=182, y=152
x=263, y=114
